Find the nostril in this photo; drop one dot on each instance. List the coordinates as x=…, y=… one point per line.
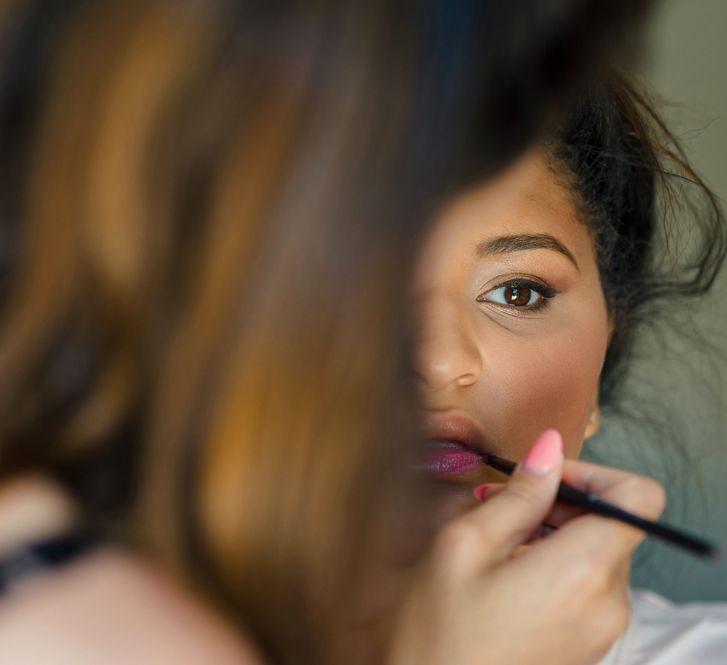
x=466, y=379
x=439, y=375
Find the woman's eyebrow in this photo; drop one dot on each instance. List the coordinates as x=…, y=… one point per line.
x=520, y=242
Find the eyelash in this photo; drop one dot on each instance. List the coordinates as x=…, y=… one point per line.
x=544, y=292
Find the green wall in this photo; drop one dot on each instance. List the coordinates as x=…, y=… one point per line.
x=678, y=387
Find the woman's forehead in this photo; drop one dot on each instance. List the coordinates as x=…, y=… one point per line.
x=527, y=198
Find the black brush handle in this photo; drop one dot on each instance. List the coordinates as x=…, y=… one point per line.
x=594, y=504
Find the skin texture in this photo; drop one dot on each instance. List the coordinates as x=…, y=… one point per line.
x=514, y=371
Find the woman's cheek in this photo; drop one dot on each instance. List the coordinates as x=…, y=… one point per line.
x=552, y=385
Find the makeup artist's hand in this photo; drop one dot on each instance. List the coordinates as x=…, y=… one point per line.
x=562, y=600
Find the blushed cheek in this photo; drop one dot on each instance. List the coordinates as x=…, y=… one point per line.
x=553, y=385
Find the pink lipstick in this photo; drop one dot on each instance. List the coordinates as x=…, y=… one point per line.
x=447, y=457
x=453, y=445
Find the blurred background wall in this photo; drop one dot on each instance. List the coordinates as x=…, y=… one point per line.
x=679, y=382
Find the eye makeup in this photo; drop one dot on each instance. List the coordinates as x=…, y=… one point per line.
x=519, y=293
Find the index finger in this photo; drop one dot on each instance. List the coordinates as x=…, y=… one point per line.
x=601, y=539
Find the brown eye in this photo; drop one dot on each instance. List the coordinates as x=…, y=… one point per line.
x=519, y=296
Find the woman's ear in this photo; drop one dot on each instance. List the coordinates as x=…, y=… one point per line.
x=594, y=417
x=594, y=420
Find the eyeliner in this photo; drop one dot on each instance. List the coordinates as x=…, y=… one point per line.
x=594, y=504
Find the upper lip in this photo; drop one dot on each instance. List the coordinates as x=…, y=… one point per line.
x=455, y=428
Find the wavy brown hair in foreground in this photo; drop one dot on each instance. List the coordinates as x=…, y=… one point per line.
x=209, y=212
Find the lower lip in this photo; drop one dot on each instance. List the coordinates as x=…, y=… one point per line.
x=448, y=459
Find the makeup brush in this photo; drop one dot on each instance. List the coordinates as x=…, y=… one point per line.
x=594, y=504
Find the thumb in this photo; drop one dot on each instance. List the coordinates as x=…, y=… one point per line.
x=513, y=513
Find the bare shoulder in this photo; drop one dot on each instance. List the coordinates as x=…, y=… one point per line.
x=112, y=607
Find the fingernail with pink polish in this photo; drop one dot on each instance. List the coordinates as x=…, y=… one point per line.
x=545, y=454
x=481, y=491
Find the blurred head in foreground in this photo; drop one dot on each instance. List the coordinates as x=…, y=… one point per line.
x=210, y=212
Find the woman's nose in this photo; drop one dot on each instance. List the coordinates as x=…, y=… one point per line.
x=447, y=353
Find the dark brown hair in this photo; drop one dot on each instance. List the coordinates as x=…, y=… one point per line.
x=659, y=232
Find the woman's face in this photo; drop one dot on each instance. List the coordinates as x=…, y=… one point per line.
x=513, y=326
